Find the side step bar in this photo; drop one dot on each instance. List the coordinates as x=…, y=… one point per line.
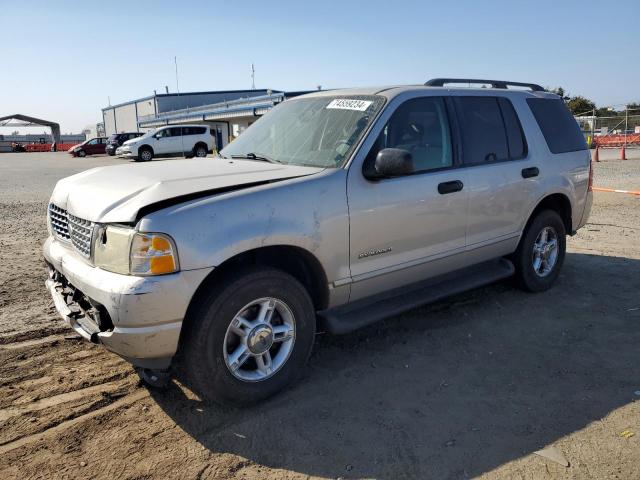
x=352, y=316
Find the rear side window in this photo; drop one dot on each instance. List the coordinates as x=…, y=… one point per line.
x=483, y=134
x=515, y=137
x=558, y=126
x=193, y=130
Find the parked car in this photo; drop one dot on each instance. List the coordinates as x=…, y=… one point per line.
x=92, y=146
x=18, y=147
x=188, y=140
x=117, y=139
x=336, y=209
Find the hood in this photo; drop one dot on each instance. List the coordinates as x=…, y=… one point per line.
x=117, y=193
x=134, y=140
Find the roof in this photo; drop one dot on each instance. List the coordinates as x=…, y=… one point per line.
x=395, y=90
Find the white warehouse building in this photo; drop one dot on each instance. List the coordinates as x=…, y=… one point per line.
x=228, y=113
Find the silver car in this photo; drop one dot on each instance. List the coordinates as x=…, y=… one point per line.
x=334, y=210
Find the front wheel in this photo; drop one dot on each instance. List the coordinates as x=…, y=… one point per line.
x=541, y=252
x=82, y=154
x=249, y=337
x=145, y=155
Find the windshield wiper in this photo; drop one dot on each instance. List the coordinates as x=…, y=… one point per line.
x=254, y=156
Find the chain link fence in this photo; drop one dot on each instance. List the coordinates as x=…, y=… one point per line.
x=611, y=131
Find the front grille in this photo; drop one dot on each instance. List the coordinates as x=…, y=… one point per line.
x=81, y=232
x=68, y=227
x=59, y=222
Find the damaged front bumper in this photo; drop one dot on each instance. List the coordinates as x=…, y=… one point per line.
x=139, y=318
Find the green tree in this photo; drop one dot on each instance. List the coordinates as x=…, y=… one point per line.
x=580, y=105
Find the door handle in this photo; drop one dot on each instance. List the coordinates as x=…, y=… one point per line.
x=530, y=172
x=450, y=187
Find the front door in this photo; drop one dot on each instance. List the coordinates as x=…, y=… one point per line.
x=168, y=141
x=412, y=227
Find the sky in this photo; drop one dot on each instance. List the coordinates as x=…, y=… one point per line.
x=63, y=61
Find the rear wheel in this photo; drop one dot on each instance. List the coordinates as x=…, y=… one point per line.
x=249, y=337
x=541, y=252
x=200, y=151
x=145, y=155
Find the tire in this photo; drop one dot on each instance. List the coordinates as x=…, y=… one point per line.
x=82, y=154
x=537, y=262
x=211, y=342
x=145, y=155
x=200, y=151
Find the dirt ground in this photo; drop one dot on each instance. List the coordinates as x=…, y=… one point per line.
x=466, y=388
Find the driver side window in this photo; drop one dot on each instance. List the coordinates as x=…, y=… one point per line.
x=421, y=127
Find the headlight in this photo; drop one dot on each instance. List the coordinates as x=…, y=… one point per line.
x=123, y=250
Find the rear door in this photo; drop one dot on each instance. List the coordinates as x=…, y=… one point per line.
x=501, y=175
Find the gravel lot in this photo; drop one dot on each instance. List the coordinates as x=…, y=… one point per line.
x=470, y=387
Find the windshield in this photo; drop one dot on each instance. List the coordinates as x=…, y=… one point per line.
x=317, y=131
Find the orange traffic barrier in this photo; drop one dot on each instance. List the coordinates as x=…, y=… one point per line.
x=614, y=190
x=622, y=153
x=616, y=140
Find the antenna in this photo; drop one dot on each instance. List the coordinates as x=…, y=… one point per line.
x=175, y=60
x=166, y=88
x=253, y=77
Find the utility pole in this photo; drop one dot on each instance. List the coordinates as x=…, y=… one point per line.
x=175, y=60
x=253, y=77
x=626, y=122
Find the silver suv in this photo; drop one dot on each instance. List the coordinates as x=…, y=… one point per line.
x=335, y=210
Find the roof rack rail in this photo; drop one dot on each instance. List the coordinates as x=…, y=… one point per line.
x=441, y=82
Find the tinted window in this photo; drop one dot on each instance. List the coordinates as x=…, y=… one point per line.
x=176, y=131
x=193, y=130
x=483, y=135
x=560, y=129
x=420, y=126
x=113, y=137
x=515, y=137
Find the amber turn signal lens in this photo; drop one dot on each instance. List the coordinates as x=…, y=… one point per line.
x=153, y=254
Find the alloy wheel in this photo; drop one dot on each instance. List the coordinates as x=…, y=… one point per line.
x=259, y=339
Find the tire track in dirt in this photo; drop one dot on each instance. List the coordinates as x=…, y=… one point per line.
x=69, y=423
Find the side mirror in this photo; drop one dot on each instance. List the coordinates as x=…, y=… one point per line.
x=393, y=162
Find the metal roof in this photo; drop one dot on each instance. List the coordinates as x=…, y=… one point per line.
x=185, y=94
x=242, y=107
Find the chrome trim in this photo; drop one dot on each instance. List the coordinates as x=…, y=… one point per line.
x=71, y=229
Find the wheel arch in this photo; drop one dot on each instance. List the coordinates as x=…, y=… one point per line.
x=201, y=142
x=296, y=261
x=146, y=146
x=557, y=202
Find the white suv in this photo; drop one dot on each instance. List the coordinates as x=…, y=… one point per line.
x=188, y=140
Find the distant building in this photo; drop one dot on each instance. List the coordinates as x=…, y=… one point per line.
x=229, y=112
